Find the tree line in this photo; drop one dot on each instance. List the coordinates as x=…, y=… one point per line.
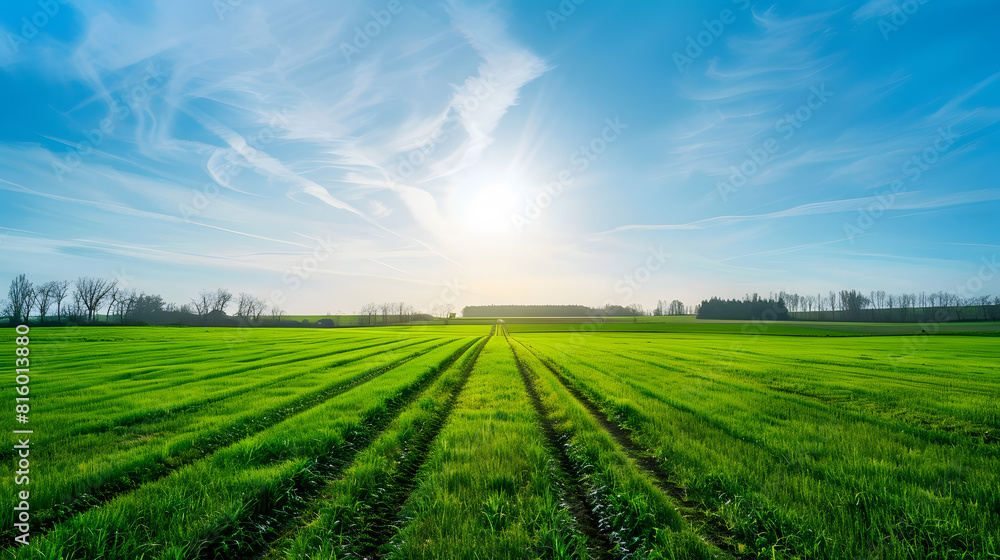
x=389, y=313
x=86, y=299
x=852, y=305
x=883, y=307
x=750, y=308
x=89, y=301
x=675, y=307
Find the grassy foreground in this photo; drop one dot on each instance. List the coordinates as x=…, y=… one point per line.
x=475, y=441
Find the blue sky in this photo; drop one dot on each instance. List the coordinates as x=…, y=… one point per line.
x=327, y=154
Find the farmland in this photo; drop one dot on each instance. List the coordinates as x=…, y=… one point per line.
x=535, y=440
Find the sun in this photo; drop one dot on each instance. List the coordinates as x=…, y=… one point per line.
x=488, y=211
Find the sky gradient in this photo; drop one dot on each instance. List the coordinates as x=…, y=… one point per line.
x=329, y=154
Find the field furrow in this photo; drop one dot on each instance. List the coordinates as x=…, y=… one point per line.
x=233, y=500
x=581, y=498
x=773, y=467
x=605, y=451
x=488, y=489
x=357, y=514
x=87, y=471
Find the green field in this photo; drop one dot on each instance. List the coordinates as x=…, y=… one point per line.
x=668, y=439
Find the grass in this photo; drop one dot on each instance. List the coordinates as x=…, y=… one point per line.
x=355, y=512
x=641, y=519
x=813, y=449
x=488, y=489
x=230, y=502
x=702, y=440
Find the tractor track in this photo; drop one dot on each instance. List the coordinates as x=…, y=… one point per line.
x=200, y=449
x=387, y=512
x=576, y=493
x=332, y=467
x=717, y=533
x=196, y=404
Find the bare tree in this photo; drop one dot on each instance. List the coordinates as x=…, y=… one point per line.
x=113, y=297
x=93, y=291
x=257, y=308
x=203, y=304
x=904, y=302
x=276, y=313
x=220, y=300
x=57, y=291
x=45, y=296
x=368, y=311
x=127, y=300
x=76, y=308
x=244, y=305
x=20, y=299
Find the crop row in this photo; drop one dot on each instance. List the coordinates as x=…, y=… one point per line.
x=792, y=475
x=84, y=470
x=218, y=499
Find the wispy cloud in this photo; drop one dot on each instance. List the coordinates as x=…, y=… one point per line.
x=902, y=201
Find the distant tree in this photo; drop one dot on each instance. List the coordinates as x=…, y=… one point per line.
x=675, y=308
x=443, y=310
x=76, y=308
x=112, y=301
x=20, y=299
x=148, y=306
x=749, y=308
x=58, y=290
x=904, y=301
x=203, y=305
x=661, y=308
x=276, y=313
x=258, y=308
x=45, y=297
x=127, y=300
x=244, y=305
x=220, y=300
x=250, y=307
x=852, y=303
x=92, y=292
